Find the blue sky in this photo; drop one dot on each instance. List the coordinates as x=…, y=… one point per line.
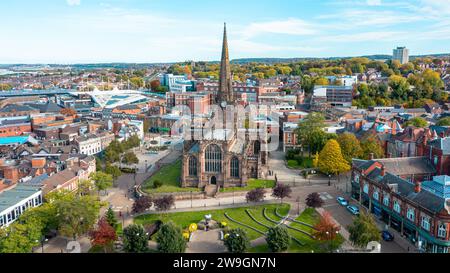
x=74, y=31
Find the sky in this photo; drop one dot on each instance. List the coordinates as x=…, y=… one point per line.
x=141, y=31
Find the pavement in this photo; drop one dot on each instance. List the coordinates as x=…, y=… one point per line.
x=206, y=242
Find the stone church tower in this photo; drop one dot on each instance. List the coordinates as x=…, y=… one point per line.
x=226, y=93
x=221, y=159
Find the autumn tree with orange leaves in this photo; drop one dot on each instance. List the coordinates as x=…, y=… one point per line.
x=326, y=231
x=104, y=235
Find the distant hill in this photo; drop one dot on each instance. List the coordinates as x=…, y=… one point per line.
x=292, y=60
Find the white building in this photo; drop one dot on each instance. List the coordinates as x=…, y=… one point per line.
x=401, y=54
x=16, y=201
x=93, y=144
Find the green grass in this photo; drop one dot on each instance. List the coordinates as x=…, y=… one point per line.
x=184, y=219
x=252, y=184
x=308, y=216
x=169, y=175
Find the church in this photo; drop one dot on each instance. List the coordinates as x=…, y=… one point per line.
x=221, y=159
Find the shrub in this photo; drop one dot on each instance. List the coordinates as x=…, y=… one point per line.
x=157, y=184
x=278, y=239
x=170, y=239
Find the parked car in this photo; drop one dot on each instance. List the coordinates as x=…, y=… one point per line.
x=342, y=201
x=387, y=236
x=353, y=210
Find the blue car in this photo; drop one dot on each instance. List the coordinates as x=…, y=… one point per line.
x=342, y=201
x=353, y=210
x=387, y=236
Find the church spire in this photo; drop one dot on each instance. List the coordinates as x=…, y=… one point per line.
x=225, y=82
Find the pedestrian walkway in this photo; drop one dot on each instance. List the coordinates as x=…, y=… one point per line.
x=206, y=242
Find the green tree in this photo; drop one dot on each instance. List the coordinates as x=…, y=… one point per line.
x=417, y=122
x=21, y=237
x=170, y=239
x=444, y=122
x=308, y=128
x=111, y=155
x=331, y=160
x=114, y=171
x=400, y=87
x=135, y=239
x=76, y=214
x=102, y=180
x=350, y=146
x=111, y=218
x=85, y=187
x=371, y=145
x=130, y=158
x=237, y=241
x=364, y=230
x=278, y=239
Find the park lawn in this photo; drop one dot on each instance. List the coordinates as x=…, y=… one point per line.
x=252, y=184
x=170, y=177
x=308, y=216
x=184, y=219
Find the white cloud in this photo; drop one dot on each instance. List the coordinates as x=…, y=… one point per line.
x=73, y=2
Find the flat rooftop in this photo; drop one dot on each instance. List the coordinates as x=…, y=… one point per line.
x=11, y=197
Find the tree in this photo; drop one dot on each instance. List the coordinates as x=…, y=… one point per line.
x=164, y=203
x=326, y=230
x=76, y=214
x=370, y=145
x=256, y=195
x=321, y=81
x=364, y=230
x=350, y=146
x=281, y=191
x=155, y=84
x=308, y=127
x=417, y=122
x=85, y=187
x=142, y=204
x=313, y=200
x=21, y=237
x=444, y=122
x=111, y=155
x=111, y=218
x=170, y=239
x=102, y=180
x=112, y=170
x=135, y=239
x=130, y=158
x=104, y=235
x=237, y=241
x=400, y=87
x=278, y=239
x=331, y=160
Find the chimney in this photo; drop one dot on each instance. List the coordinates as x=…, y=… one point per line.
x=383, y=171
x=372, y=156
x=418, y=187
